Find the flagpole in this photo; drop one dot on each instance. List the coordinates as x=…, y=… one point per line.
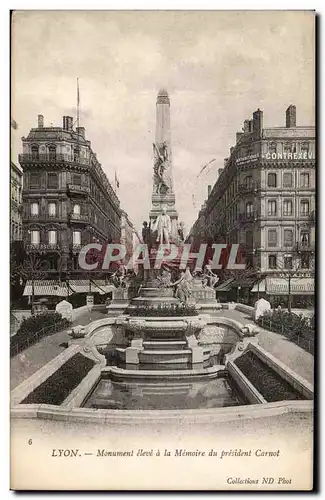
x=78, y=102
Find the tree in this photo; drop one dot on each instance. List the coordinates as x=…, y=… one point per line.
x=33, y=269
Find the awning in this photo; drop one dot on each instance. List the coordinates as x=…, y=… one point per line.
x=259, y=286
x=84, y=286
x=226, y=286
x=46, y=288
x=298, y=286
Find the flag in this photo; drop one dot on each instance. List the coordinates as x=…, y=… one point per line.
x=117, y=184
x=205, y=166
x=14, y=124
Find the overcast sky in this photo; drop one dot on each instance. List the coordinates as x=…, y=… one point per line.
x=218, y=68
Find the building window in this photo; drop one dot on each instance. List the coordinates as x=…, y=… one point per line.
x=272, y=261
x=304, y=207
x=52, y=237
x=77, y=179
x=249, y=209
x=287, y=179
x=34, y=180
x=34, y=209
x=52, y=209
x=76, y=209
x=272, y=238
x=271, y=180
x=52, y=181
x=287, y=207
x=34, y=237
x=287, y=262
x=305, y=264
x=287, y=148
x=76, y=154
x=35, y=152
x=248, y=181
x=304, y=180
x=52, y=152
x=76, y=238
x=288, y=237
x=271, y=204
x=304, y=238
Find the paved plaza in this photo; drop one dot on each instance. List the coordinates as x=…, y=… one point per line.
x=32, y=359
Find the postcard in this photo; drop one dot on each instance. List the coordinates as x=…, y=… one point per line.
x=162, y=231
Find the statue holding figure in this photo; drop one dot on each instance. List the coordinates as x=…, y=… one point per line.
x=183, y=286
x=210, y=278
x=162, y=179
x=163, y=226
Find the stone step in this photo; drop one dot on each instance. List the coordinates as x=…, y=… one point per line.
x=165, y=356
x=164, y=344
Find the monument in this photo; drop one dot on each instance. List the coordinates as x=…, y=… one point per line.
x=163, y=196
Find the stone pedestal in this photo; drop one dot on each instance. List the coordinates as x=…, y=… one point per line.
x=205, y=297
x=119, y=303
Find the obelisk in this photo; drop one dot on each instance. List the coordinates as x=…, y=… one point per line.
x=163, y=196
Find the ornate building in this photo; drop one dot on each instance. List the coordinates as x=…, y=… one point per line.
x=16, y=177
x=67, y=198
x=264, y=199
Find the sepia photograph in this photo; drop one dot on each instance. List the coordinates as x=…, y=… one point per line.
x=162, y=250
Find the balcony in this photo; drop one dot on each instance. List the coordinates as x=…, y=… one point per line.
x=76, y=189
x=249, y=188
x=76, y=247
x=79, y=218
x=305, y=247
x=51, y=158
x=42, y=247
x=247, y=217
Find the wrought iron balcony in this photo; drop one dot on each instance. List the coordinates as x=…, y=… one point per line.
x=75, y=188
x=305, y=247
x=248, y=217
x=39, y=247
x=52, y=158
x=249, y=188
x=79, y=218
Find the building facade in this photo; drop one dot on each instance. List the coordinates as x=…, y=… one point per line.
x=264, y=199
x=16, y=178
x=67, y=198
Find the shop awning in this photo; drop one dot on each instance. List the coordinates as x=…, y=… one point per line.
x=226, y=286
x=84, y=286
x=280, y=286
x=259, y=286
x=46, y=288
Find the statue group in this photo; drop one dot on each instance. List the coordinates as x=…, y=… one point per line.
x=162, y=177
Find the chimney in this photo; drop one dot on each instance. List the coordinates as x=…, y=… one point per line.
x=209, y=190
x=291, y=116
x=225, y=161
x=81, y=131
x=40, y=121
x=67, y=123
x=258, y=122
x=246, y=127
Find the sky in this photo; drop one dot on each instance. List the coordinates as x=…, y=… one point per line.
x=218, y=68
